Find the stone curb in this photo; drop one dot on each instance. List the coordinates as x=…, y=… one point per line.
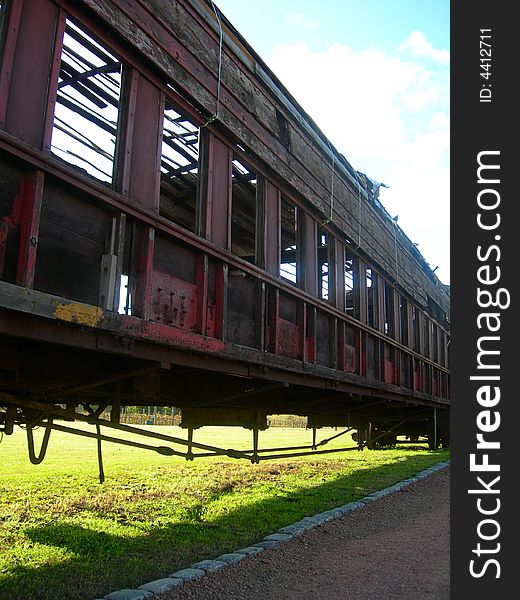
x=199, y=569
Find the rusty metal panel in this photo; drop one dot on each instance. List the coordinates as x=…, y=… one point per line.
x=323, y=337
x=290, y=338
x=389, y=371
x=241, y=309
x=351, y=359
x=174, y=301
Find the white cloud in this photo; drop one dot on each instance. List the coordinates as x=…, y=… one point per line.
x=300, y=21
x=417, y=45
x=390, y=118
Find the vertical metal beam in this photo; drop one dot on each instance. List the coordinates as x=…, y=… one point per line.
x=396, y=316
x=309, y=267
x=216, y=221
x=339, y=274
x=201, y=281
x=271, y=239
x=32, y=194
x=310, y=335
x=361, y=286
x=221, y=287
x=139, y=150
x=53, y=81
x=260, y=309
x=25, y=82
x=273, y=311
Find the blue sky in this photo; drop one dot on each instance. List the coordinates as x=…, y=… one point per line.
x=380, y=91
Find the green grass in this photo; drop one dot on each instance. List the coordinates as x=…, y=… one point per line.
x=65, y=536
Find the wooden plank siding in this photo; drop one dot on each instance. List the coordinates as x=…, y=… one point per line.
x=178, y=40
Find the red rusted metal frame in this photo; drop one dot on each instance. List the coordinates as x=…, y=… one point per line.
x=260, y=314
x=309, y=254
x=217, y=220
x=53, y=81
x=275, y=369
x=228, y=239
x=111, y=198
x=188, y=61
x=147, y=21
x=362, y=286
x=32, y=194
x=11, y=27
x=310, y=334
x=273, y=311
x=26, y=105
x=201, y=281
x=338, y=273
x=272, y=226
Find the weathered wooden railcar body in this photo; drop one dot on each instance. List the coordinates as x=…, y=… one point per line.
x=220, y=256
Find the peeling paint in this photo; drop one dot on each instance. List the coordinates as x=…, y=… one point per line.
x=83, y=314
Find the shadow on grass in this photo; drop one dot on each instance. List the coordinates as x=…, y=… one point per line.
x=104, y=562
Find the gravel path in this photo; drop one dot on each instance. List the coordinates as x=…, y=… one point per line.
x=396, y=548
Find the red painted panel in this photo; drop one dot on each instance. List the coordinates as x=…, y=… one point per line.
x=351, y=359
x=435, y=385
x=272, y=229
x=389, y=372
x=144, y=170
x=29, y=229
x=174, y=302
x=219, y=194
x=32, y=65
x=289, y=341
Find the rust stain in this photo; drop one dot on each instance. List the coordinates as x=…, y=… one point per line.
x=82, y=314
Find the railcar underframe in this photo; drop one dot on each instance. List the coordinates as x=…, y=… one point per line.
x=220, y=257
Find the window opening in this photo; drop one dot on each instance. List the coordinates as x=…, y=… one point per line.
x=289, y=263
x=87, y=105
x=323, y=264
x=125, y=299
x=372, y=298
x=244, y=211
x=179, y=169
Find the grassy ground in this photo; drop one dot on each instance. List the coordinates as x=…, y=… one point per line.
x=65, y=536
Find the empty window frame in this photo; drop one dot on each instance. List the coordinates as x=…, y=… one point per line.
x=351, y=284
x=323, y=263
x=179, y=169
x=87, y=105
x=290, y=263
x=244, y=212
x=372, y=298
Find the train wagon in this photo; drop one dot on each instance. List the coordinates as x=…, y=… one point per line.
x=176, y=231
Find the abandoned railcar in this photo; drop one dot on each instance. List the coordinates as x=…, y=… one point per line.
x=176, y=231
